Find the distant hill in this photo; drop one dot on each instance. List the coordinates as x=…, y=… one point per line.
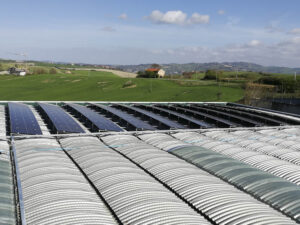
x=174, y=68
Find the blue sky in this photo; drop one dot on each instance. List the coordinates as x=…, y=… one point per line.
x=142, y=31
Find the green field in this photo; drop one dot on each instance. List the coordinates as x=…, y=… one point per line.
x=103, y=86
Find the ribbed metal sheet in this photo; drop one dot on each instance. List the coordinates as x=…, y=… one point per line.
x=54, y=190
x=135, y=196
x=277, y=192
x=218, y=200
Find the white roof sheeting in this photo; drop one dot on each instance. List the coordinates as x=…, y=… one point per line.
x=272, y=137
x=221, y=202
x=134, y=196
x=54, y=190
x=277, y=192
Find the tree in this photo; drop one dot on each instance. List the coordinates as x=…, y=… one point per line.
x=155, y=65
x=147, y=74
x=1, y=67
x=210, y=75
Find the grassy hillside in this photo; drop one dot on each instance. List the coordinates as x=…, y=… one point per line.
x=104, y=86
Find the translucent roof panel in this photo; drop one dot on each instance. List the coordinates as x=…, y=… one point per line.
x=257, y=154
x=7, y=202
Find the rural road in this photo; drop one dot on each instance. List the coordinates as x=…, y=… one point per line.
x=116, y=72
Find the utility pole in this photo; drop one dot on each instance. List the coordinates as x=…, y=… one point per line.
x=295, y=76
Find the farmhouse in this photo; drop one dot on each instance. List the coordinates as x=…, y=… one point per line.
x=160, y=72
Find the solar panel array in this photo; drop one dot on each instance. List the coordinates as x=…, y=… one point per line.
x=194, y=123
x=207, y=176
x=152, y=116
x=129, y=119
x=60, y=120
x=97, y=121
x=22, y=120
x=64, y=118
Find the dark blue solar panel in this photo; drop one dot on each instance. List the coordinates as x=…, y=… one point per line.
x=61, y=121
x=163, y=120
x=97, y=120
x=139, y=124
x=228, y=115
x=179, y=115
x=205, y=115
x=22, y=120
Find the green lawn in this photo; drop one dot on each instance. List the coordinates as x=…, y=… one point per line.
x=103, y=86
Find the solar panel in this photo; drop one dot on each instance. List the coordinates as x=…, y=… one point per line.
x=190, y=120
x=60, y=120
x=138, y=124
x=22, y=120
x=217, y=120
x=158, y=118
x=259, y=116
x=97, y=120
x=241, y=119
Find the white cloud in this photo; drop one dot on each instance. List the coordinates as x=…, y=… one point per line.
x=196, y=18
x=108, y=29
x=177, y=17
x=170, y=17
x=123, y=16
x=285, y=53
x=295, y=31
x=279, y=54
x=254, y=43
x=221, y=12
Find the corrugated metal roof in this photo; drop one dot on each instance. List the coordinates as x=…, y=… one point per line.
x=201, y=176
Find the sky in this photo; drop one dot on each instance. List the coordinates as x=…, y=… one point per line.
x=266, y=32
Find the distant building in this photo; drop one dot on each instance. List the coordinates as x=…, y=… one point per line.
x=160, y=72
x=4, y=72
x=16, y=71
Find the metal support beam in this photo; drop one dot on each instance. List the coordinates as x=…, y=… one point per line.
x=20, y=211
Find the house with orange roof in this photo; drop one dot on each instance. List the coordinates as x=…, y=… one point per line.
x=160, y=72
